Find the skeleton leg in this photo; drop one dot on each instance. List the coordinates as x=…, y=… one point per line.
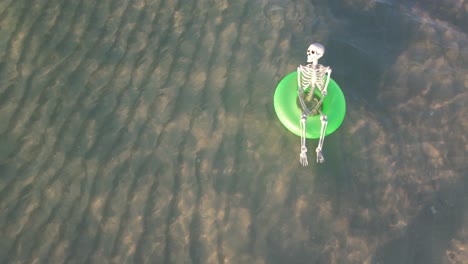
x=303, y=155
x=323, y=119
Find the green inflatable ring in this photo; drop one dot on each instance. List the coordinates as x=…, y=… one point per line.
x=289, y=113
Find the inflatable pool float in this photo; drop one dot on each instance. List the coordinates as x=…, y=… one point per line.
x=289, y=112
x=309, y=103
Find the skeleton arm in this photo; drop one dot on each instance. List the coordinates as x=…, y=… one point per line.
x=325, y=87
x=299, y=85
x=302, y=85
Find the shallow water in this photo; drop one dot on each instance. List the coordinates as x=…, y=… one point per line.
x=144, y=132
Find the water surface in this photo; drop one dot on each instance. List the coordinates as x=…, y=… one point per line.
x=138, y=131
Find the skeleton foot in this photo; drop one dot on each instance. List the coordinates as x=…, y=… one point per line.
x=303, y=157
x=323, y=119
x=320, y=158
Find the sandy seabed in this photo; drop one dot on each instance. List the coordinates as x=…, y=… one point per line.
x=143, y=131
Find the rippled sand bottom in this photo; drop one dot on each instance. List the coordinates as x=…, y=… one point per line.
x=144, y=132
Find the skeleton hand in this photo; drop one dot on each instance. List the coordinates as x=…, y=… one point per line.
x=303, y=157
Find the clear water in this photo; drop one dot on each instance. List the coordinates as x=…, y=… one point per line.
x=138, y=131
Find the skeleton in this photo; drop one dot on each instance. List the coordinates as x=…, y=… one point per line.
x=315, y=76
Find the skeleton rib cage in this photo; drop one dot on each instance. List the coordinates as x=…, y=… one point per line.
x=313, y=77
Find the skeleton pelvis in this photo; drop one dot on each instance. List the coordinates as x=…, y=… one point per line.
x=311, y=101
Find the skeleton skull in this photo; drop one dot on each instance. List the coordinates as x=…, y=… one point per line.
x=315, y=52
